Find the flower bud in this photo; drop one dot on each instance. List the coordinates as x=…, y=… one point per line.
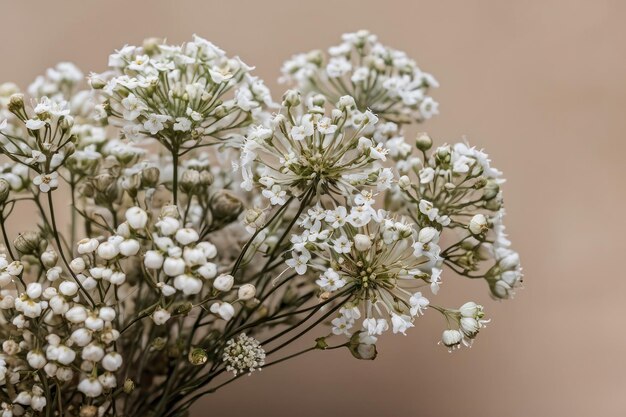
x=49, y=258
x=491, y=190
x=160, y=316
x=136, y=218
x=423, y=142
x=470, y=309
x=246, y=292
x=16, y=103
x=478, y=224
x=129, y=386
x=27, y=243
x=77, y=265
x=189, y=180
x=5, y=188
x=170, y=211
x=362, y=242
x=150, y=177
x=451, y=338
x=96, y=81
x=223, y=282
x=291, y=98
x=404, y=182
x=225, y=206
x=197, y=356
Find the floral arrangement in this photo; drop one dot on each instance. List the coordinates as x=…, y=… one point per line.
x=190, y=229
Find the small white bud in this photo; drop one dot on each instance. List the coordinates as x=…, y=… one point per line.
x=136, y=218
x=33, y=290
x=87, y=245
x=362, y=242
x=68, y=288
x=246, y=292
x=108, y=250
x=187, y=236
x=112, y=361
x=478, y=224
x=129, y=247
x=223, y=282
x=173, y=266
x=160, y=316
x=153, y=259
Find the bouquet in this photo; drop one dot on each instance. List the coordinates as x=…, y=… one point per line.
x=189, y=228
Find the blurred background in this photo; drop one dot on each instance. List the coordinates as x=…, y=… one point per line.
x=541, y=85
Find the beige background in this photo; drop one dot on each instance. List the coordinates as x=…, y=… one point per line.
x=541, y=85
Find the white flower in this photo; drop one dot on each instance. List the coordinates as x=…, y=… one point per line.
x=155, y=123
x=36, y=360
x=330, y=281
x=342, y=245
x=47, y=182
x=76, y=314
x=375, y=327
x=401, y=323
x=341, y=325
x=298, y=262
x=276, y=195
x=418, y=304
x=182, y=124
x=132, y=107
x=129, y=247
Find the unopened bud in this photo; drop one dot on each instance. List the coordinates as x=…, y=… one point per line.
x=170, y=211
x=246, y=292
x=150, y=177
x=16, y=103
x=404, y=182
x=5, y=188
x=197, y=356
x=291, y=98
x=28, y=242
x=88, y=411
x=129, y=386
x=226, y=206
x=206, y=178
x=189, y=180
x=151, y=45
x=423, y=142
x=96, y=81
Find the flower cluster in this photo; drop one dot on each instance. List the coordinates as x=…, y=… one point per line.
x=457, y=188
x=180, y=94
x=206, y=234
x=309, y=149
x=378, y=263
x=379, y=78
